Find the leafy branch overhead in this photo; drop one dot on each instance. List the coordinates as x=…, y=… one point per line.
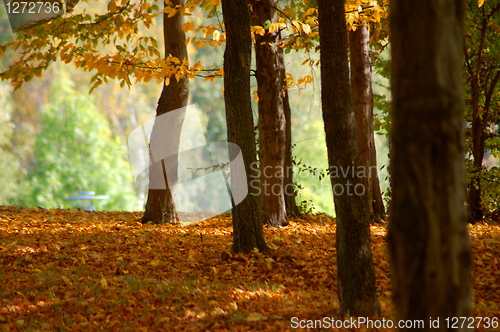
x=115, y=45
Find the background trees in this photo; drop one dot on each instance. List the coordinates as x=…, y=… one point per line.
x=427, y=232
x=482, y=76
x=75, y=151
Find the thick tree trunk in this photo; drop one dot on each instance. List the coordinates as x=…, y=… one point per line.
x=356, y=277
x=270, y=88
x=428, y=240
x=361, y=84
x=247, y=222
x=160, y=207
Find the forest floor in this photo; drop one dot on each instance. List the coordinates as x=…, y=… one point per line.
x=71, y=270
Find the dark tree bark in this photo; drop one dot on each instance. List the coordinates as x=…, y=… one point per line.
x=289, y=188
x=160, y=207
x=361, y=84
x=270, y=88
x=247, y=222
x=356, y=277
x=427, y=232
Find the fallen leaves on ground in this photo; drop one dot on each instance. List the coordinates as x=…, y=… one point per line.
x=72, y=270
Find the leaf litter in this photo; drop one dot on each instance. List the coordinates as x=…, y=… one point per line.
x=74, y=270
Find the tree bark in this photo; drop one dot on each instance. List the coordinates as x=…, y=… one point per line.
x=356, y=277
x=361, y=84
x=427, y=232
x=289, y=187
x=160, y=207
x=247, y=222
x=270, y=88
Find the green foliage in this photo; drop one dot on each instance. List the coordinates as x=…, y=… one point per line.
x=75, y=151
x=491, y=193
x=482, y=67
x=9, y=163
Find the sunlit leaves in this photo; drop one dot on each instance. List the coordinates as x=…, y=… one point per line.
x=80, y=270
x=118, y=49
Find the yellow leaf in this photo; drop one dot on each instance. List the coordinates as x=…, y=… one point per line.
x=188, y=26
x=274, y=27
x=255, y=316
x=112, y=6
x=258, y=30
x=255, y=96
x=104, y=283
x=154, y=263
x=480, y=3
x=216, y=35
x=167, y=81
x=66, y=280
x=309, y=12
x=172, y=13
x=306, y=28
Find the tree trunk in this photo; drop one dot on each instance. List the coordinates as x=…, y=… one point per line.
x=160, y=207
x=427, y=232
x=247, y=222
x=356, y=277
x=270, y=88
x=361, y=84
x=478, y=139
x=289, y=188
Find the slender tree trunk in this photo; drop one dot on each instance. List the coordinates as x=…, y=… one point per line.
x=356, y=277
x=361, y=83
x=247, y=222
x=478, y=142
x=427, y=236
x=272, y=135
x=160, y=206
x=288, y=185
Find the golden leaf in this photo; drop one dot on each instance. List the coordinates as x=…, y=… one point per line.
x=306, y=28
x=309, y=12
x=112, y=6
x=255, y=316
x=188, y=26
x=104, y=283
